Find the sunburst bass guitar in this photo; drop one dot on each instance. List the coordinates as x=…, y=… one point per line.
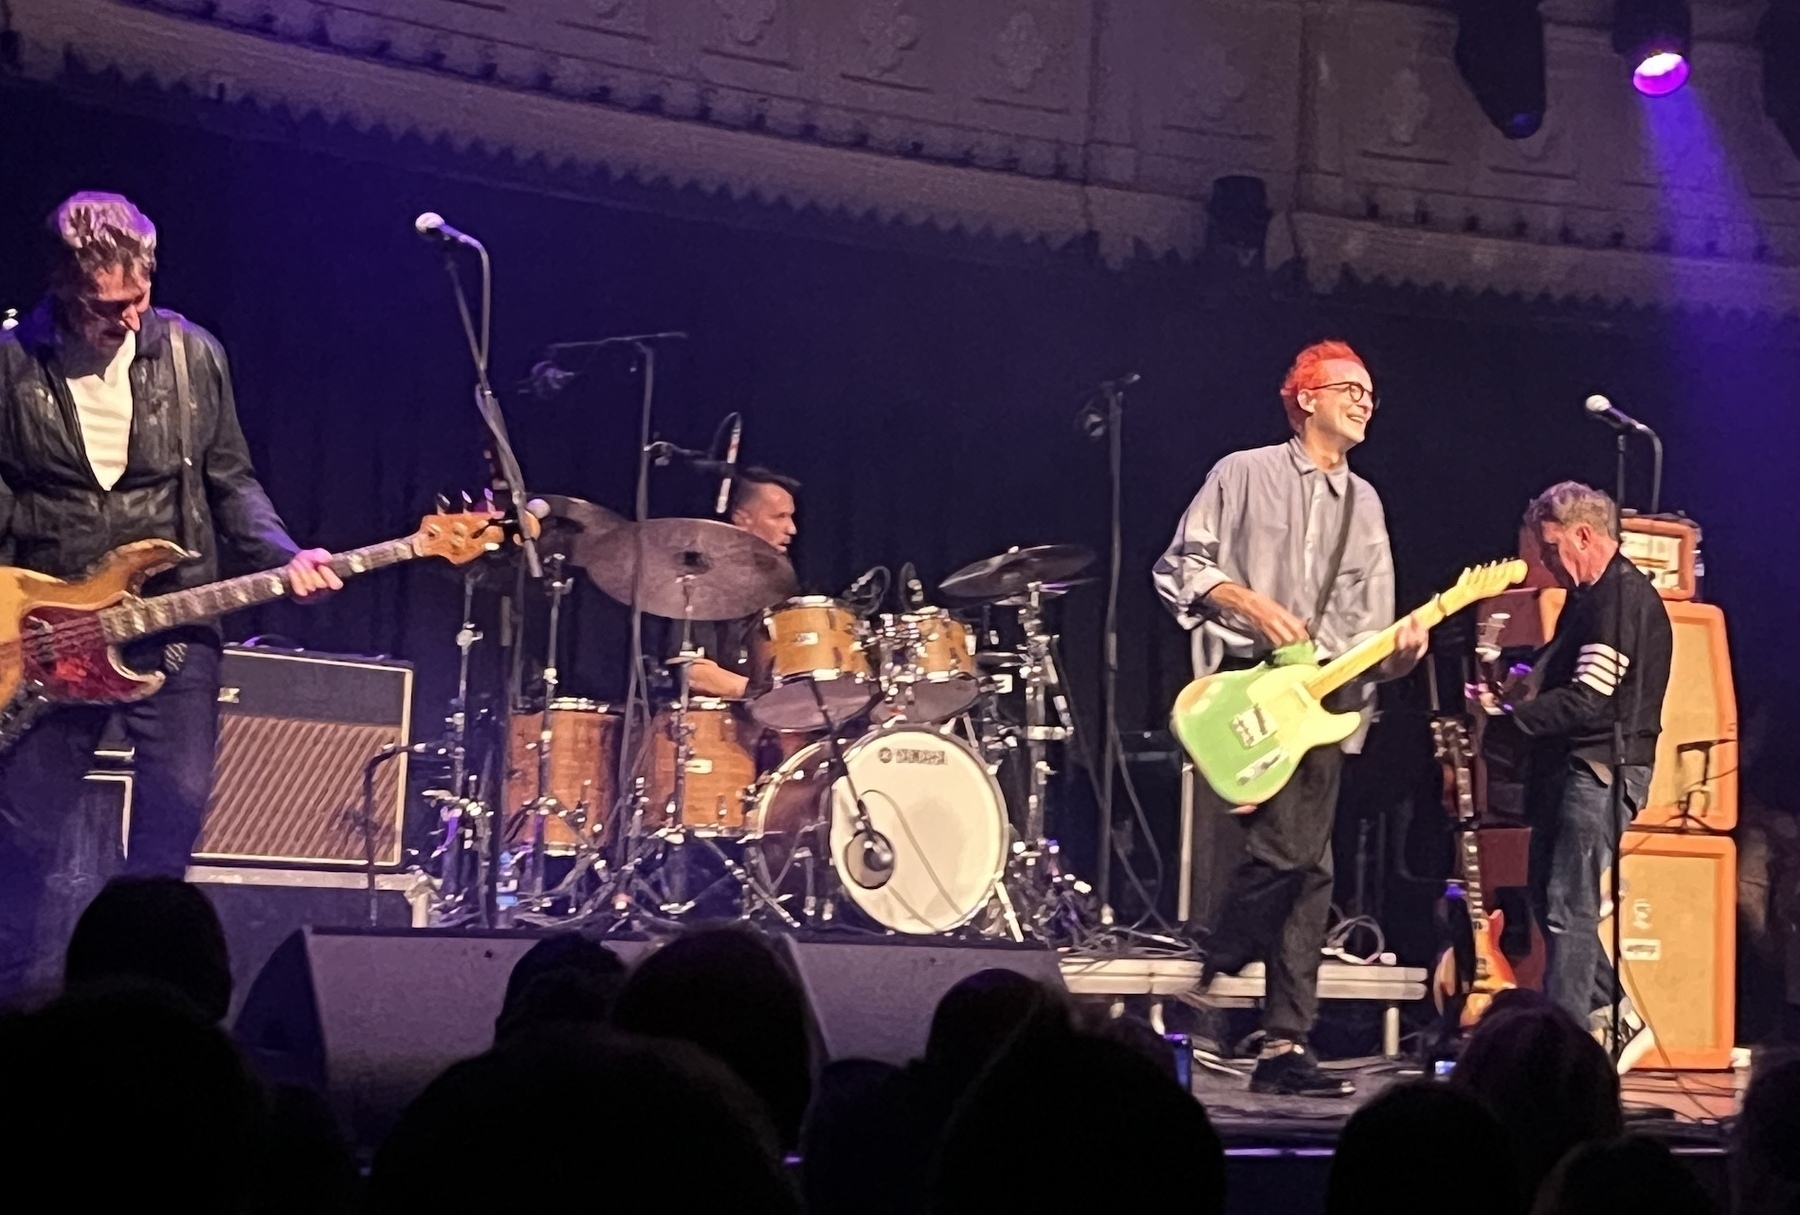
x=1247, y=730
x=59, y=641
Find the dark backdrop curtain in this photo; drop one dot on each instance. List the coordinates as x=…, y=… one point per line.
x=921, y=387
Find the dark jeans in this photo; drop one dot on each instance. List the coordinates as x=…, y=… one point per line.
x=1277, y=907
x=1573, y=835
x=174, y=734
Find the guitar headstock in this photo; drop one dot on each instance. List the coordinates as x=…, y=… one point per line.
x=1483, y=582
x=462, y=536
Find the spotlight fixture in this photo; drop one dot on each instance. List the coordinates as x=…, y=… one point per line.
x=1655, y=37
x=1779, y=36
x=1500, y=53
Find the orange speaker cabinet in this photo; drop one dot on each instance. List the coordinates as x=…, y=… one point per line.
x=1679, y=944
x=1695, y=786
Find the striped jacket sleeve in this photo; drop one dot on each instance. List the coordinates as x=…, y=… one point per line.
x=1604, y=647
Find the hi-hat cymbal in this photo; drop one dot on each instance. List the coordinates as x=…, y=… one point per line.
x=1016, y=570
x=694, y=567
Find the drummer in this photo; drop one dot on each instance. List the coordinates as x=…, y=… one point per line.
x=761, y=503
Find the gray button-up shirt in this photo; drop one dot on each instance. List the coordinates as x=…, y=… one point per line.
x=1268, y=519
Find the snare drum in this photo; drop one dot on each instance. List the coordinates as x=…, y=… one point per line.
x=928, y=665
x=927, y=793
x=812, y=649
x=720, y=771
x=584, y=741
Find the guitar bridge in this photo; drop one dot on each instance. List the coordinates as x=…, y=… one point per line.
x=1252, y=726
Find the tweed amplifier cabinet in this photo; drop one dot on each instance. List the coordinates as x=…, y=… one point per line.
x=295, y=731
x=1679, y=944
x=1695, y=784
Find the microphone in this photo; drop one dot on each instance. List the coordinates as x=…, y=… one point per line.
x=546, y=380
x=915, y=592
x=731, y=458
x=1602, y=410
x=432, y=227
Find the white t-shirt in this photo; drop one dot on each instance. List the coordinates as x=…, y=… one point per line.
x=103, y=404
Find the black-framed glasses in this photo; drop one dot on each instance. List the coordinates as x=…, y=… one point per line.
x=1356, y=392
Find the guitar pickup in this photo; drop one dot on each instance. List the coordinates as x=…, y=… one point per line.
x=1262, y=765
x=1252, y=726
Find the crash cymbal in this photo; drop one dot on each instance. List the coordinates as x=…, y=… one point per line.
x=726, y=571
x=577, y=517
x=1016, y=569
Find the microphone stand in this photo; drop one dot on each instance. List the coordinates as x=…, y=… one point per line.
x=1114, y=391
x=488, y=406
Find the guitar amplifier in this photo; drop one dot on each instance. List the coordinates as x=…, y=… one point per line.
x=296, y=730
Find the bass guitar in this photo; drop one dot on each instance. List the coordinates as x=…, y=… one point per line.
x=1247, y=730
x=1490, y=972
x=60, y=640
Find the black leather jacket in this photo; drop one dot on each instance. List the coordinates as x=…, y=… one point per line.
x=55, y=518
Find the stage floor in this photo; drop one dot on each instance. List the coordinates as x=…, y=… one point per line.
x=1683, y=1109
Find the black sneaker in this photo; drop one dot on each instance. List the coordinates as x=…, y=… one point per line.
x=1293, y=1073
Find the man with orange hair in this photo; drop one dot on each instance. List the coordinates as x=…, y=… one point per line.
x=1283, y=544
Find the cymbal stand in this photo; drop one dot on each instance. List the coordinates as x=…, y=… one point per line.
x=869, y=860
x=557, y=584
x=1045, y=893
x=463, y=818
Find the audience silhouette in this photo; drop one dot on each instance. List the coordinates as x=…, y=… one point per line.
x=1421, y=1147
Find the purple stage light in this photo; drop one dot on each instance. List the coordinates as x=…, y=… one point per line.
x=1660, y=74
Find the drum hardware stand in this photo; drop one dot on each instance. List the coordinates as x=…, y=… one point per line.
x=875, y=865
x=532, y=896
x=464, y=820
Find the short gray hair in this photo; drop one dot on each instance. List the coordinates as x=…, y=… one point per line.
x=94, y=232
x=1570, y=502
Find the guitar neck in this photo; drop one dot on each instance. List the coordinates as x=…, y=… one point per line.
x=140, y=618
x=1370, y=652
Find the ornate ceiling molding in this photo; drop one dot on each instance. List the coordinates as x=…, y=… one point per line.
x=1046, y=120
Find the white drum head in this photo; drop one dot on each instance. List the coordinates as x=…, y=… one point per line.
x=943, y=814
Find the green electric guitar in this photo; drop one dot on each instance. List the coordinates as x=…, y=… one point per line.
x=1248, y=729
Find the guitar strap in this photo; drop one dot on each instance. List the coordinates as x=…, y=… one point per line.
x=1337, y=559
x=191, y=493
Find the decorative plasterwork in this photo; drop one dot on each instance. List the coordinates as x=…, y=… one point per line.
x=1049, y=120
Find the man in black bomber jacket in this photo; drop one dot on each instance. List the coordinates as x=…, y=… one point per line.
x=1608, y=661
x=92, y=456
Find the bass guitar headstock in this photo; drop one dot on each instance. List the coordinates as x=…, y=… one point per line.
x=460, y=537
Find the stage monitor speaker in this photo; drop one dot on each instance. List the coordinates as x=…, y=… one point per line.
x=295, y=732
x=369, y=1017
x=1679, y=944
x=1695, y=785
x=873, y=999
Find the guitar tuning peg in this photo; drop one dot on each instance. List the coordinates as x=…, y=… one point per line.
x=443, y=504
x=467, y=501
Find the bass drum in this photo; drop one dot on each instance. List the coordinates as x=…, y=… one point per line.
x=928, y=793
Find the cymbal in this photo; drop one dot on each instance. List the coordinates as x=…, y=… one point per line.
x=1016, y=569
x=1048, y=590
x=570, y=517
x=728, y=572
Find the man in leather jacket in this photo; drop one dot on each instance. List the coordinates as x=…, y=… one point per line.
x=95, y=452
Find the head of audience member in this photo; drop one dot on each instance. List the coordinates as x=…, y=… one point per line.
x=132, y=1100
x=1548, y=1082
x=1139, y=1035
x=1765, y=1157
x=865, y=1145
x=726, y=991
x=659, y=1125
x=157, y=929
x=1162, y=1147
x=1631, y=1173
x=976, y=1018
x=1413, y=1145
x=565, y=977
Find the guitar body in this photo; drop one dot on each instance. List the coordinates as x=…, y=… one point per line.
x=1464, y=987
x=76, y=670
x=1247, y=730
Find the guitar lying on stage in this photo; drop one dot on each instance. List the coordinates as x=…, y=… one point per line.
x=1247, y=730
x=59, y=641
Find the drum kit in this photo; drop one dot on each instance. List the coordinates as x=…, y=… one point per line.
x=857, y=783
